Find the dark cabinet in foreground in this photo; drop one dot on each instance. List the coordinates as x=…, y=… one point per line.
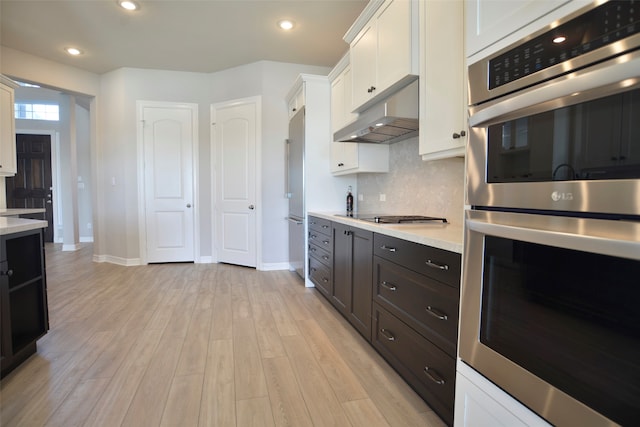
x=23, y=297
x=352, y=275
x=403, y=297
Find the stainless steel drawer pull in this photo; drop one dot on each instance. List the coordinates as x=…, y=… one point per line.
x=324, y=257
x=432, y=264
x=312, y=249
x=389, y=286
x=433, y=376
x=388, y=335
x=313, y=236
x=325, y=280
x=326, y=242
x=325, y=226
x=388, y=248
x=313, y=270
x=436, y=313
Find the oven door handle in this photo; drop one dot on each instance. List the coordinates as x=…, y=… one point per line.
x=607, y=237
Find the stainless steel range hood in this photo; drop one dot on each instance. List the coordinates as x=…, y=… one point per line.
x=391, y=120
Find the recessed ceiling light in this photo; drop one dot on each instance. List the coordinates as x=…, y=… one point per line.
x=73, y=51
x=286, y=24
x=128, y=4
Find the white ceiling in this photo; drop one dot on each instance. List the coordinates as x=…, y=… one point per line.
x=182, y=35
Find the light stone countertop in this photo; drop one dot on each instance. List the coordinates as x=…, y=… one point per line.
x=16, y=212
x=437, y=235
x=9, y=225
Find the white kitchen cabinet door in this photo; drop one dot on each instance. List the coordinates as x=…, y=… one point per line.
x=488, y=21
x=480, y=403
x=8, y=165
x=348, y=158
x=384, y=53
x=443, y=106
x=296, y=102
x=364, y=54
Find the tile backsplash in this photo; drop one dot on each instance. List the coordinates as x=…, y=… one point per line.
x=413, y=186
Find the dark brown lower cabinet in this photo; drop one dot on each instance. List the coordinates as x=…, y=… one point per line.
x=23, y=297
x=353, y=275
x=430, y=371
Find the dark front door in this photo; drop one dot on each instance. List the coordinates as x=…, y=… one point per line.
x=31, y=187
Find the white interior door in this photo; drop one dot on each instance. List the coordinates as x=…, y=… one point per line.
x=235, y=136
x=169, y=133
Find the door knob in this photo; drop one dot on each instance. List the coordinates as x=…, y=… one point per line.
x=188, y=205
x=252, y=207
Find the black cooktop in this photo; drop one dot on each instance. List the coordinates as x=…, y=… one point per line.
x=397, y=219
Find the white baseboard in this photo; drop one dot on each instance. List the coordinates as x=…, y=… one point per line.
x=272, y=266
x=204, y=260
x=70, y=248
x=88, y=239
x=126, y=262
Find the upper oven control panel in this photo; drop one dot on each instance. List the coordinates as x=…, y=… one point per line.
x=601, y=26
x=592, y=35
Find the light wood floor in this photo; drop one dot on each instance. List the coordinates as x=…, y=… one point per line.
x=198, y=345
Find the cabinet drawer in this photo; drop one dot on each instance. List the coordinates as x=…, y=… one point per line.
x=428, y=306
x=436, y=263
x=322, y=240
x=429, y=370
x=320, y=225
x=321, y=276
x=321, y=255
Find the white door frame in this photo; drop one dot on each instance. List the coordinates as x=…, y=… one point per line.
x=142, y=217
x=257, y=100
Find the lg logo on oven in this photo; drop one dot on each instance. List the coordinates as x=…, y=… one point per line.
x=556, y=196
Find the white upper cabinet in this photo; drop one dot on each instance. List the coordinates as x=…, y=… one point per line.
x=296, y=101
x=8, y=163
x=493, y=24
x=383, y=50
x=443, y=105
x=348, y=157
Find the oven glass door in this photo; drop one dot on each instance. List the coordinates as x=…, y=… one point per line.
x=593, y=140
x=551, y=311
x=569, y=317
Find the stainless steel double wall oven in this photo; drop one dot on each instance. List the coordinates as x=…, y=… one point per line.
x=551, y=282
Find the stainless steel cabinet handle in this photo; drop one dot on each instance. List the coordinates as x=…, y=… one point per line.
x=313, y=236
x=389, y=286
x=7, y=273
x=325, y=226
x=326, y=242
x=432, y=264
x=324, y=257
x=433, y=375
x=436, y=313
x=388, y=248
x=312, y=249
x=388, y=335
x=325, y=280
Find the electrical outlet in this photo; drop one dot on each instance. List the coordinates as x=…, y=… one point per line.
x=360, y=197
x=383, y=197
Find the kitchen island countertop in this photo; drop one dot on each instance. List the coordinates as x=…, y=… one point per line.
x=9, y=225
x=436, y=234
x=16, y=212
